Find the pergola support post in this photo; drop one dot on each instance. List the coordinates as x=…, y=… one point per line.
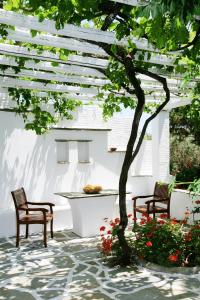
x=161, y=147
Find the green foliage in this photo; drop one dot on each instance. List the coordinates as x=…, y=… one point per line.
x=39, y=113
x=194, y=187
x=167, y=25
x=184, y=121
x=167, y=242
x=3, y=31
x=163, y=241
x=185, y=159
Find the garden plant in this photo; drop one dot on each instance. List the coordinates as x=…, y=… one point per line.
x=166, y=242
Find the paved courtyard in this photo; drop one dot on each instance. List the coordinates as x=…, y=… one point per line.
x=72, y=269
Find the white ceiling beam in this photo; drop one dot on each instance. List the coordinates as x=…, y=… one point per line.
x=71, y=44
x=6, y=100
x=47, y=66
x=27, y=84
x=33, y=85
x=54, y=77
x=75, y=32
x=81, y=80
x=24, y=36
x=20, y=51
x=132, y=2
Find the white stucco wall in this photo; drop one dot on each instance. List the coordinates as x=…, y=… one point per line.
x=30, y=161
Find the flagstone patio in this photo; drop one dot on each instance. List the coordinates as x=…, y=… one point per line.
x=72, y=269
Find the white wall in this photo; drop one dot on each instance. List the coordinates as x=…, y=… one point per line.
x=30, y=161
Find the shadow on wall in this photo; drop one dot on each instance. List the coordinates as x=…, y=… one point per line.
x=26, y=160
x=30, y=161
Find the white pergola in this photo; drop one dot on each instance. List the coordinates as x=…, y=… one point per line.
x=83, y=68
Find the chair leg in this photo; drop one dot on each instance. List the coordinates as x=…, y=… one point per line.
x=134, y=216
x=45, y=235
x=27, y=229
x=51, y=225
x=17, y=235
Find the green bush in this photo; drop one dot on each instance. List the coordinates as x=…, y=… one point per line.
x=185, y=160
x=163, y=241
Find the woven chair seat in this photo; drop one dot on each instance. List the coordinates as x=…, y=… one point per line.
x=35, y=218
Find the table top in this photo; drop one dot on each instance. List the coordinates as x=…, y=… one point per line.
x=74, y=195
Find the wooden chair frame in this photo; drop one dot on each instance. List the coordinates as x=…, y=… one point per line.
x=161, y=195
x=21, y=204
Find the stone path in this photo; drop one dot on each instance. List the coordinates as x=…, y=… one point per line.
x=72, y=269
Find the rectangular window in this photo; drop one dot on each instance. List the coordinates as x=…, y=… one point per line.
x=83, y=151
x=62, y=149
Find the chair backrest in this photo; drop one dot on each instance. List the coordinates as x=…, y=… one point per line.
x=162, y=190
x=20, y=200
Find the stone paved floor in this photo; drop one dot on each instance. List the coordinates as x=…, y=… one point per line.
x=71, y=269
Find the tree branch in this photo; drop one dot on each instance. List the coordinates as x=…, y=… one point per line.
x=128, y=89
x=158, y=110
x=111, y=17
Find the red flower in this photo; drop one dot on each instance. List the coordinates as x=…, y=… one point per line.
x=129, y=215
x=112, y=224
x=161, y=222
x=197, y=201
x=149, y=219
x=173, y=257
x=117, y=220
x=144, y=214
x=107, y=246
x=163, y=216
x=109, y=232
x=102, y=228
x=149, y=244
x=134, y=219
x=174, y=221
x=143, y=221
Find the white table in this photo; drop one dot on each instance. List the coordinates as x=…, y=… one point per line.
x=89, y=210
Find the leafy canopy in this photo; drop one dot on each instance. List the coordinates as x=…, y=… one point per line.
x=172, y=27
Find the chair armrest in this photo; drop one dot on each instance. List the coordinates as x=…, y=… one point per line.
x=157, y=200
x=140, y=197
x=44, y=210
x=145, y=196
x=41, y=203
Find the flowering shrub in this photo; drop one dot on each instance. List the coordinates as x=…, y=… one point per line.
x=109, y=241
x=163, y=241
x=167, y=241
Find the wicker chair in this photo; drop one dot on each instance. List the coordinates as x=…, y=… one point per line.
x=161, y=195
x=26, y=215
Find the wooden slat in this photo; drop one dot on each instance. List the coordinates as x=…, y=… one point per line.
x=33, y=85
x=19, y=51
x=82, y=80
x=70, y=44
x=132, y=2
x=47, y=66
x=74, y=59
x=89, y=34
x=6, y=100
x=20, y=83
x=55, y=77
